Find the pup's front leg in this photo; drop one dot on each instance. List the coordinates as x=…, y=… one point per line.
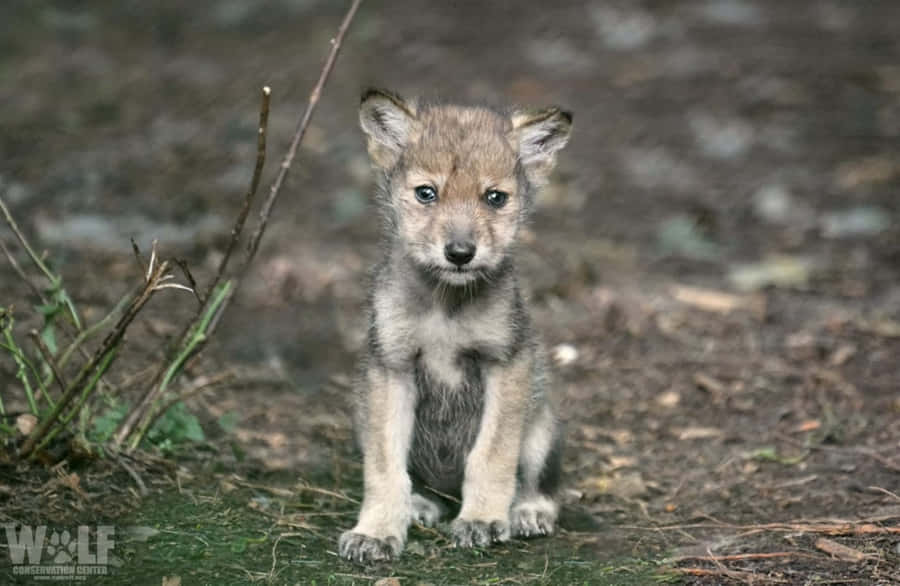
x=490, y=475
x=387, y=415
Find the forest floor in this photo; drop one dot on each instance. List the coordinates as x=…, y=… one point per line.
x=715, y=267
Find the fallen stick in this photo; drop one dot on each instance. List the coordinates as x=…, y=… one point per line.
x=840, y=551
x=745, y=577
x=743, y=556
x=862, y=527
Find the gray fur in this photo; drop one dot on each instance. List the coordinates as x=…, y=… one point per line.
x=454, y=393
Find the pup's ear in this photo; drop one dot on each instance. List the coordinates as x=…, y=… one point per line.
x=388, y=121
x=538, y=135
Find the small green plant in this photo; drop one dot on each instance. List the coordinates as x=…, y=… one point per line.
x=104, y=425
x=45, y=366
x=26, y=373
x=159, y=413
x=175, y=426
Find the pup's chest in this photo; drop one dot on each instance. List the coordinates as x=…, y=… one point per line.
x=444, y=346
x=439, y=342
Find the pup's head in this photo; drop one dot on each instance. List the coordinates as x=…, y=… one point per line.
x=458, y=180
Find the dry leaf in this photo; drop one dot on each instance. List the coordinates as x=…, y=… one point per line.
x=690, y=433
x=25, y=423
x=844, y=353
x=669, y=398
x=387, y=582
x=72, y=481
x=809, y=425
x=871, y=170
x=887, y=328
x=716, y=301
x=571, y=495
x=626, y=486
x=708, y=383
x=616, y=462
x=775, y=271
x=594, y=432
x=171, y=581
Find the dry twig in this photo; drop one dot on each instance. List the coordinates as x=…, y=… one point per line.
x=19, y=271
x=744, y=556
x=192, y=339
x=291, y=492
x=885, y=491
x=738, y=576
x=103, y=355
x=840, y=551
x=140, y=417
x=142, y=488
x=825, y=527
x=48, y=358
x=288, y=160
x=238, y=228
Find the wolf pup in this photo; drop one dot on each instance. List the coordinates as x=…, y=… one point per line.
x=453, y=396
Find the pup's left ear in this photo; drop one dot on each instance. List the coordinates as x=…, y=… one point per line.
x=539, y=134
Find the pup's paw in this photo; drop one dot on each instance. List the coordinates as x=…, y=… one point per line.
x=425, y=511
x=533, y=517
x=363, y=549
x=473, y=533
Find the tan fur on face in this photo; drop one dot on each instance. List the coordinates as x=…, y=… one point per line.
x=462, y=153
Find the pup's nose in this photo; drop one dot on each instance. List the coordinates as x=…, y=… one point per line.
x=459, y=253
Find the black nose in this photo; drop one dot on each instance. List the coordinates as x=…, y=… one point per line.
x=459, y=253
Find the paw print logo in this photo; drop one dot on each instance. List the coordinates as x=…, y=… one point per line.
x=62, y=547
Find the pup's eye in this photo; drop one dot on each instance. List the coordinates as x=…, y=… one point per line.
x=426, y=194
x=495, y=198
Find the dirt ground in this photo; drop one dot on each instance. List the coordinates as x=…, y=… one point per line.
x=716, y=266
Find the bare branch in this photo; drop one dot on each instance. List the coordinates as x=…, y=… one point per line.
x=93, y=329
x=49, y=359
x=137, y=256
x=74, y=330
x=299, y=133
x=16, y=267
x=262, y=130
x=175, y=286
x=288, y=160
x=142, y=488
x=37, y=260
x=110, y=343
x=183, y=265
x=191, y=338
x=152, y=262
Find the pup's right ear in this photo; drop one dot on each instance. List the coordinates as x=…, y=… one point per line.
x=388, y=122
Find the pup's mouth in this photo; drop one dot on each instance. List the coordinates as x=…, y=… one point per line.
x=458, y=275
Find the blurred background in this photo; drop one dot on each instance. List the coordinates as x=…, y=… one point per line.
x=708, y=132
x=720, y=231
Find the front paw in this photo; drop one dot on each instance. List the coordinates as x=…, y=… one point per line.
x=533, y=517
x=473, y=533
x=363, y=549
